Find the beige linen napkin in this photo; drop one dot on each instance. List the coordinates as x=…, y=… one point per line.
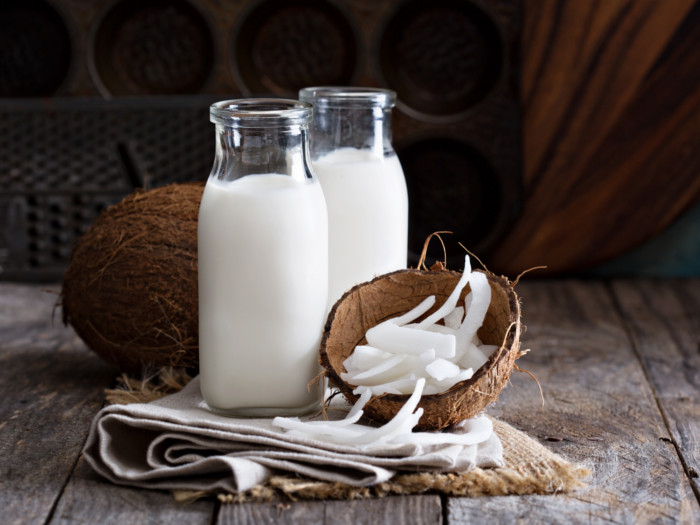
x=177, y=443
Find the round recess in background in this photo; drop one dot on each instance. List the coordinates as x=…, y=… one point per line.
x=441, y=57
x=280, y=47
x=151, y=47
x=451, y=187
x=36, y=50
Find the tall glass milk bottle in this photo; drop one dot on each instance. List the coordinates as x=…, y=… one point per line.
x=263, y=263
x=362, y=181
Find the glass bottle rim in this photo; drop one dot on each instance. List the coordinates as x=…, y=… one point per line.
x=348, y=97
x=260, y=112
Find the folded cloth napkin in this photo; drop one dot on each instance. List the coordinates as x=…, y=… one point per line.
x=177, y=443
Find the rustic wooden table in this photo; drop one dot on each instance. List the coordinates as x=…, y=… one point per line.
x=619, y=363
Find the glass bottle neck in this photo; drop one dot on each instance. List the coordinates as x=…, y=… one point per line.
x=242, y=151
x=364, y=128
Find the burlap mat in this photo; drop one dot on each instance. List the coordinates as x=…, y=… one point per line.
x=530, y=467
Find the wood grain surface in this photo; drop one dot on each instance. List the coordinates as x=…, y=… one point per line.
x=599, y=409
x=618, y=363
x=87, y=498
x=406, y=510
x=611, y=129
x=664, y=323
x=50, y=388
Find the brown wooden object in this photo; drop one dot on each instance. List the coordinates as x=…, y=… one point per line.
x=611, y=98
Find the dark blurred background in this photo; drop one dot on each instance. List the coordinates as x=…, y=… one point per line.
x=541, y=132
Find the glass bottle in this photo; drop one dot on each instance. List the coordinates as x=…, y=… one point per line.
x=362, y=181
x=263, y=265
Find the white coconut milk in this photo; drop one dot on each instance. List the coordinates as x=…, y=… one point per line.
x=367, y=216
x=263, y=287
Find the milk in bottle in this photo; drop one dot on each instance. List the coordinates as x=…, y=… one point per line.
x=362, y=181
x=263, y=266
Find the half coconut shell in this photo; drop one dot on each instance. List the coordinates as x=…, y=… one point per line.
x=393, y=294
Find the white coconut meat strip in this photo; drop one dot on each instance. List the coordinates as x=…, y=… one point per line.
x=399, y=430
x=453, y=320
x=471, y=432
x=476, y=355
x=414, y=313
x=362, y=436
x=474, y=318
x=402, y=340
x=359, y=405
x=365, y=357
x=442, y=369
x=403, y=385
x=427, y=357
x=451, y=302
x=388, y=370
x=392, y=336
x=437, y=387
x=440, y=329
x=440, y=375
x=403, y=422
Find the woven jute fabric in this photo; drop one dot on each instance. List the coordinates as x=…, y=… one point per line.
x=530, y=468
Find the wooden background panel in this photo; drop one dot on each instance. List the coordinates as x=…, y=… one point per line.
x=611, y=129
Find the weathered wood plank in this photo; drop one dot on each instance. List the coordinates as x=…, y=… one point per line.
x=599, y=410
x=90, y=499
x=50, y=388
x=664, y=322
x=393, y=510
x=547, y=509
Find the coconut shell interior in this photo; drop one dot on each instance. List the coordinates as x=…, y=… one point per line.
x=393, y=294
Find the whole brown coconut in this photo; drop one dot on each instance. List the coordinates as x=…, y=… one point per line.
x=130, y=289
x=393, y=294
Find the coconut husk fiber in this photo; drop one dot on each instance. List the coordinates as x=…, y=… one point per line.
x=130, y=289
x=393, y=294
